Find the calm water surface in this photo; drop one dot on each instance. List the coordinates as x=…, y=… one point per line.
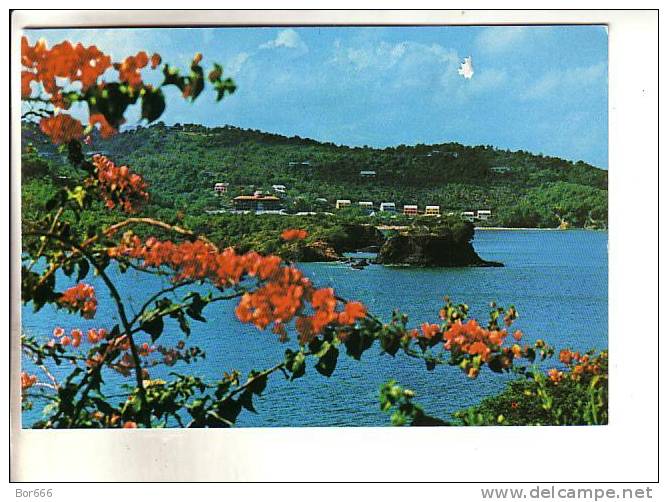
x=557, y=280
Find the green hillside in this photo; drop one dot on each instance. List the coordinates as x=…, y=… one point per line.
x=183, y=162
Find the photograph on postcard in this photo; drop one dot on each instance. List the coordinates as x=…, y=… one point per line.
x=305, y=226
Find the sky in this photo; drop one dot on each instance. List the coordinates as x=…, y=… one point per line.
x=543, y=89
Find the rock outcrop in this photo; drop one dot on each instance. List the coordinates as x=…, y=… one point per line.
x=431, y=251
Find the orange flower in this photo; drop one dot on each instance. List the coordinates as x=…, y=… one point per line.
x=75, y=63
x=129, y=70
x=76, y=337
x=518, y=335
x=479, y=348
x=27, y=380
x=555, y=375
x=80, y=298
x=352, y=312
x=292, y=234
x=118, y=185
x=106, y=130
x=323, y=298
x=58, y=332
x=566, y=356
x=61, y=128
x=430, y=330
x=155, y=60
x=130, y=425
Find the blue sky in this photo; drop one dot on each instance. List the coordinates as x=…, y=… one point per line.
x=542, y=88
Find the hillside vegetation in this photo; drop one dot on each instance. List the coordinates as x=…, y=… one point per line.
x=183, y=162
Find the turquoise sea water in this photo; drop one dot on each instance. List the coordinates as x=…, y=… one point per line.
x=557, y=280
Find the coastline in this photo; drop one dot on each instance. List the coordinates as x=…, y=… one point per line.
x=516, y=228
x=541, y=229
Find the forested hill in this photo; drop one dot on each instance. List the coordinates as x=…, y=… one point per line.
x=183, y=162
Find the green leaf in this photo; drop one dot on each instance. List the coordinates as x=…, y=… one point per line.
x=246, y=400
x=152, y=104
x=295, y=363
x=259, y=383
x=84, y=267
x=153, y=326
x=357, y=343
x=327, y=362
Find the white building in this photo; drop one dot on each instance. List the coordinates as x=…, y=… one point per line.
x=219, y=188
x=468, y=215
x=432, y=210
x=367, y=174
x=484, y=214
x=410, y=209
x=500, y=169
x=341, y=203
x=388, y=207
x=366, y=204
x=279, y=188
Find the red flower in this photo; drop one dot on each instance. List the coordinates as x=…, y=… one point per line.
x=430, y=330
x=129, y=70
x=118, y=185
x=352, y=312
x=566, y=356
x=27, y=380
x=106, y=130
x=555, y=375
x=61, y=128
x=80, y=298
x=155, y=60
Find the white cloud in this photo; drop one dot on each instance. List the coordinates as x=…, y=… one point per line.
x=408, y=56
x=569, y=79
x=234, y=65
x=497, y=39
x=289, y=39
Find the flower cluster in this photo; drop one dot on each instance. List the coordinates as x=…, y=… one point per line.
x=129, y=70
x=75, y=63
x=473, y=339
x=61, y=128
x=283, y=292
x=555, y=375
x=118, y=185
x=76, y=336
x=294, y=234
x=80, y=298
x=472, y=345
x=581, y=365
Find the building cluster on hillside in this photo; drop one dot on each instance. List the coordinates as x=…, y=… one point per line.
x=263, y=203
x=257, y=203
x=391, y=207
x=480, y=215
x=500, y=169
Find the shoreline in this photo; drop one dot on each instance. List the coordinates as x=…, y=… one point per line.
x=541, y=229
